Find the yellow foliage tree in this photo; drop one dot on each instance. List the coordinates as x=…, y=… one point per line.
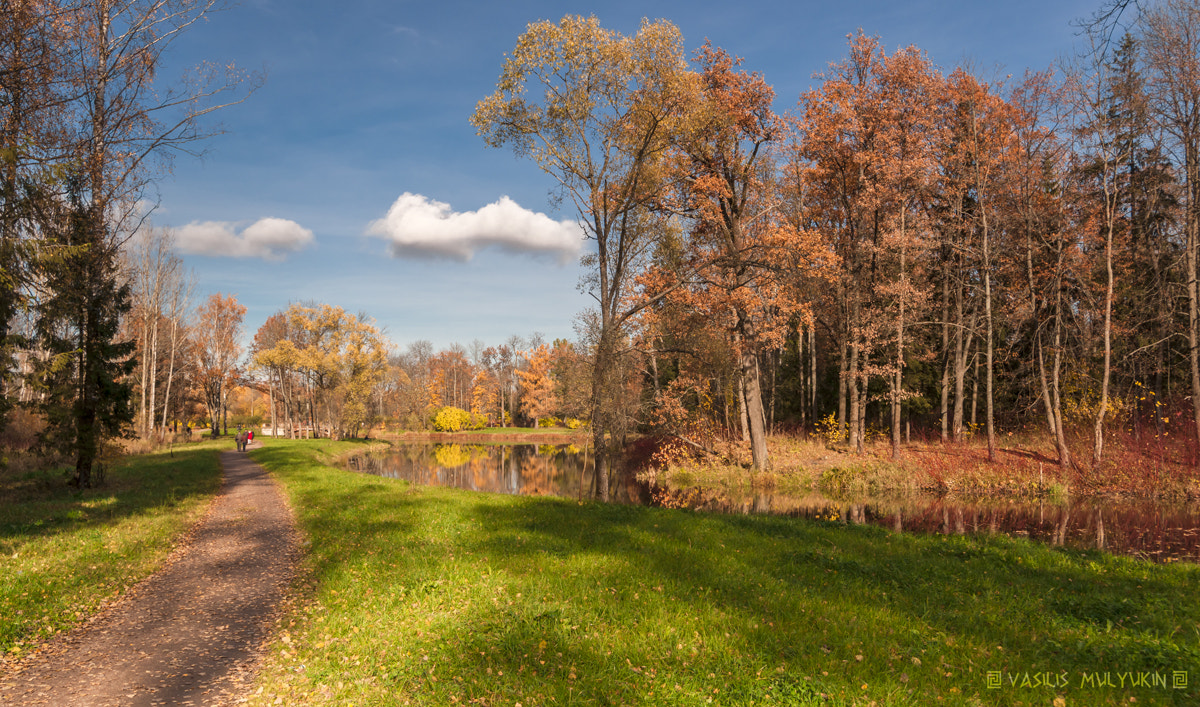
x=343, y=359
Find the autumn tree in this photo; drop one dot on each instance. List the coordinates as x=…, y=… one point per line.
x=340, y=357
x=485, y=394
x=539, y=389
x=956, y=272
x=691, y=373
x=738, y=252
x=838, y=130
x=901, y=169
x=451, y=378
x=496, y=385
x=1172, y=45
x=363, y=363
x=492, y=383
x=414, y=404
x=396, y=392
x=910, y=132
x=591, y=107
x=179, y=287
x=160, y=294
x=985, y=142
x=273, y=352
x=218, y=334
x=569, y=369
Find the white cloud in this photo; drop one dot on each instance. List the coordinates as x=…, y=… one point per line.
x=416, y=226
x=266, y=238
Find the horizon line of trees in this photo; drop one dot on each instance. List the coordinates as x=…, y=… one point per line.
x=907, y=247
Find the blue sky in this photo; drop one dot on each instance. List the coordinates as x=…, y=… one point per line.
x=367, y=101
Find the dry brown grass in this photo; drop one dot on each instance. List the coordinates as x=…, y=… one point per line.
x=20, y=431
x=1025, y=465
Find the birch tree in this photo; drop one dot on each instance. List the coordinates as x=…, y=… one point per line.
x=115, y=124
x=1104, y=156
x=157, y=278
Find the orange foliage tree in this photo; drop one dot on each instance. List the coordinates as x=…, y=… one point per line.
x=539, y=390
x=218, y=354
x=733, y=268
x=898, y=168
x=843, y=184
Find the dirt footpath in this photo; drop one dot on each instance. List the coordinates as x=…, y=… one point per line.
x=189, y=635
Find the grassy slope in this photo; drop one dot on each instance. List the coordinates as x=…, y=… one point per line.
x=439, y=597
x=65, y=552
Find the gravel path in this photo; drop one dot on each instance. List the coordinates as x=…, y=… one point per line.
x=190, y=634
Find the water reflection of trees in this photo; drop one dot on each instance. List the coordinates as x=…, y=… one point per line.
x=539, y=475
x=1146, y=529
x=1154, y=531
x=449, y=456
x=548, y=469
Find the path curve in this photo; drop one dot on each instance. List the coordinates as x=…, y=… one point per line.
x=190, y=633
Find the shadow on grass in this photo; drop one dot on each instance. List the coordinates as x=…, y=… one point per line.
x=40, y=503
x=494, y=599
x=63, y=552
x=349, y=512
x=810, y=595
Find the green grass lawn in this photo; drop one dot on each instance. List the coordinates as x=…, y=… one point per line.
x=64, y=552
x=432, y=596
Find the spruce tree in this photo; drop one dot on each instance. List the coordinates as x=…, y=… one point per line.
x=85, y=366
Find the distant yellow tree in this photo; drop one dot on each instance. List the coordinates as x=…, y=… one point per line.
x=342, y=357
x=363, y=363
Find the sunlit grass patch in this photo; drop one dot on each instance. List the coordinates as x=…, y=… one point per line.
x=436, y=596
x=64, y=552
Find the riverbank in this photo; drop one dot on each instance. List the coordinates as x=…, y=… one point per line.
x=1023, y=468
x=65, y=553
x=435, y=596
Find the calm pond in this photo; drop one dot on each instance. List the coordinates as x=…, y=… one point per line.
x=1155, y=531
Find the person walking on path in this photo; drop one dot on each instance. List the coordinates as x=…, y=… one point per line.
x=188, y=634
